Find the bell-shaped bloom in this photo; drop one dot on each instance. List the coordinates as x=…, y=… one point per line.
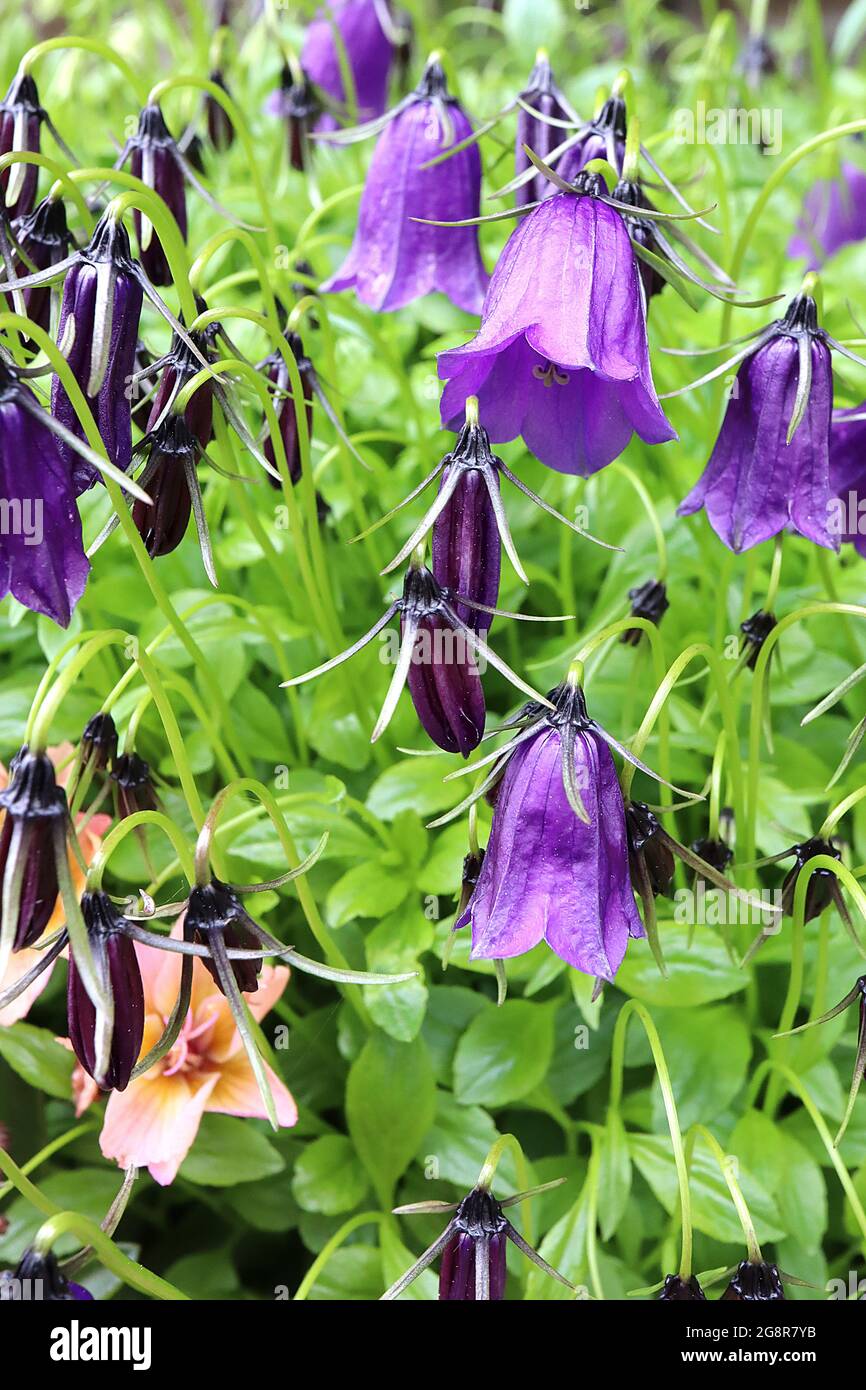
x=549, y=875
x=98, y=335
x=114, y=953
x=770, y=466
x=134, y=789
x=43, y=238
x=20, y=119
x=367, y=48
x=395, y=259
x=561, y=356
x=834, y=215
x=171, y=458
x=536, y=128
x=42, y=559
x=848, y=476
x=154, y=1122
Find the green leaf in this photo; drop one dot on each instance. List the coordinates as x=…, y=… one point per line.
x=708, y=1054
x=457, y=1143
x=415, y=784
x=393, y=947
x=228, y=1151
x=713, y=1211
x=329, y=1177
x=37, y=1056
x=372, y=889
x=504, y=1053
x=390, y=1104
x=530, y=24
x=697, y=974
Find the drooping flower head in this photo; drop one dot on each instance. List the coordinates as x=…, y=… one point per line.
x=220, y=130
x=396, y=257
x=99, y=742
x=32, y=837
x=295, y=102
x=543, y=114
x=154, y=158
x=215, y=909
x=20, y=119
x=367, y=44
x=679, y=1290
x=114, y=953
x=770, y=466
x=43, y=238
x=561, y=357
x=650, y=601
x=170, y=477
x=834, y=215
x=134, y=789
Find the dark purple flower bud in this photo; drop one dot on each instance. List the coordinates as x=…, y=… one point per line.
x=367, y=48
x=466, y=551
x=114, y=953
x=575, y=386
x=602, y=138
x=549, y=875
x=285, y=407
x=443, y=675
x=649, y=601
x=30, y=836
x=154, y=160
x=714, y=852
x=770, y=466
x=99, y=741
x=756, y=630
x=98, y=335
x=834, y=215
x=679, y=1290
x=475, y=1254
x=296, y=102
x=20, y=119
x=220, y=130
x=395, y=259
x=757, y=59
x=642, y=231
x=171, y=458
x=134, y=786
x=37, y=1278
x=650, y=858
x=469, y=880
x=543, y=95
x=42, y=559
x=178, y=367
x=44, y=239
x=848, y=475
x=216, y=908
x=755, y=1282
x=819, y=893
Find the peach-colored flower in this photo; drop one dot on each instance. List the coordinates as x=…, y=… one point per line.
x=153, y=1123
x=90, y=833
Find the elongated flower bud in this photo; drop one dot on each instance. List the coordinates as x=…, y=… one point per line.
x=114, y=953
x=649, y=601
x=20, y=119
x=469, y=878
x=542, y=94
x=755, y=1282
x=479, y=1236
x=34, y=804
x=215, y=907
x=819, y=893
x=286, y=408
x=443, y=678
x=466, y=550
x=220, y=130
x=135, y=791
x=99, y=741
x=44, y=238
x=178, y=367
x=172, y=453
x=296, y=102
x=604, y=137
x=37, y=1277
x=154, y=160
x=756, y=630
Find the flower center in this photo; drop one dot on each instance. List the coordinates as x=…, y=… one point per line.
x=550, y=374
x=183, y=1056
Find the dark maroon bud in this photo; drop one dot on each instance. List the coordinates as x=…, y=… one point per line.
x=471, y=869
x=171, y=454
x=220, y=130
x=756, y=59
x=135, y=791
x=650, y=859
x=178, y=367
x=194, y=153
x=99, y=741
x=154, y=160
x=478, y=1235
x=37, y=1278
x=649, y=601
x=216, y=908
x=679, y=1290
x=604, y=137
x=715, y=852
x=20, y=119
x=819, y=893
x=543, y=95
x=98, y=335
x=114, y=953
x=756, y=630
x=299, y=106
x=44, y=239
x=755, y=1282
x=641, y=230
x=34, y=806
x=285, y=407
x=443, y=677
x=466, y=549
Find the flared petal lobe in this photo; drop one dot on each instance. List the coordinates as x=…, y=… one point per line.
x=395, y=260
x=546, y=874
x=561, y=357
x=368, y=50
x=756, y=483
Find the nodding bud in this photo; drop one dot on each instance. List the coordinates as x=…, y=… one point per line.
x=37, y=1276
x=171, y=453
x=43, y=237
x=135, y=791
x=34, y=804
x=819, y=893
x=466, y=549
x=543, y=95
x=714, y=852
x=299, y=106
x=756, y=630
x=114, y=953
x=443, y=677
x=641, y=231
x=155, y=160
x=604, y=137
x=99, y=741
x=220, y=130
x=471, y=869
x=286, y=408
x=478, y=1235
x=649, y=601
x=755, y=1282
x=178, y=367
x=679, y=1290
x=650, y=859
x=215, y=908
x=20, y=119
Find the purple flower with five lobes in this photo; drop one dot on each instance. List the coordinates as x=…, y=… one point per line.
x=114, y=953
x=561, y=356
x=42, y=559
x=770, y=466
x=42, y=240
x=848, y=476
x=365, y=32
x=398, y=254
x=834, y=215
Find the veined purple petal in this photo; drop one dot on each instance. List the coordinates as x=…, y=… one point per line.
x=446, y=688
x=546, y=874
x=165, y=176
x=466, y=550
x=368, y=50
